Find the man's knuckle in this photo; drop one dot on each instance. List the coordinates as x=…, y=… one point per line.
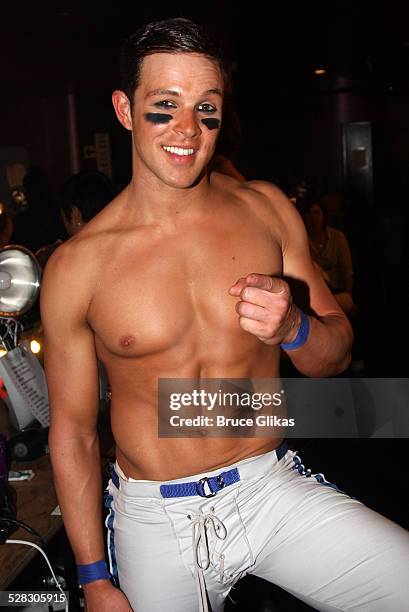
x=242, y=308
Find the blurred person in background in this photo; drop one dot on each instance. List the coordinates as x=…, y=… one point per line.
x=331, y=253
x=83, y=196
x=39, y=221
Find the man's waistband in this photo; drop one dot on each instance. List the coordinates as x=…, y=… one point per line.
x=206, y=484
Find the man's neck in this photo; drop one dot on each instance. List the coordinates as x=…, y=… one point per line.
x=150, y=200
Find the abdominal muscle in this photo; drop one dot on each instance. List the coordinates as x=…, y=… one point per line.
x=169, y=458
x=141, y=454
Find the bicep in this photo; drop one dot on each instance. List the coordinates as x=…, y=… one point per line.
x=69, y=355
x=72, y=379
x=308, y=288
x=299, y=269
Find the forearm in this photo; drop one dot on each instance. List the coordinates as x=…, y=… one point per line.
x=77, y=475
x=327, y=349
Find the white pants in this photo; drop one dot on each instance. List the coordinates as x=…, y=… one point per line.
x=278, y=522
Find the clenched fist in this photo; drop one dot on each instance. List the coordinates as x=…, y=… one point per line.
x=265, y=308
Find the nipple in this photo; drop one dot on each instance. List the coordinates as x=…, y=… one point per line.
x=127, y=341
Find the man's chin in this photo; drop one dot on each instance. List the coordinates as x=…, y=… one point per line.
x=186, y=182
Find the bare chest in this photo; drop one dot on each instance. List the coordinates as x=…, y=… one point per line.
x=154, y=295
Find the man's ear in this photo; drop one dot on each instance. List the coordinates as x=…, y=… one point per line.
x=122, y=108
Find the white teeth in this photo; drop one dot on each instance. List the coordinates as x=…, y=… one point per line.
x=179, y=151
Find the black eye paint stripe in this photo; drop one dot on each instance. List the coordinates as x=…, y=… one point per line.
x=211, y=123
x=158, y=117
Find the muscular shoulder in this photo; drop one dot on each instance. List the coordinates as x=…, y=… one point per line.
x=276, y=209
x=70, y=277
x=73, y=257
x=272, y=197
x=83, y=255
x=260, y=195
x=269, y=204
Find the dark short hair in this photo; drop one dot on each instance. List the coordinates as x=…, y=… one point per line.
x=311, y=201
x=176, y=35
x=88, y=191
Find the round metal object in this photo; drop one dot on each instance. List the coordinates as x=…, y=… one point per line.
x=20, y=277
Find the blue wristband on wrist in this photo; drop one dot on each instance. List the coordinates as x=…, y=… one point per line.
x=93, y=571
x=302, y=335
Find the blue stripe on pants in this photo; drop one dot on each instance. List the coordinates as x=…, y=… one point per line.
x=109, y=523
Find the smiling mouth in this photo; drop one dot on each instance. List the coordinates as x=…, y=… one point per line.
x=182, y=152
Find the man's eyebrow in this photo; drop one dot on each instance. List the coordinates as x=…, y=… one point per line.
x=163, y=92
x=172, y=92
x=215, y=90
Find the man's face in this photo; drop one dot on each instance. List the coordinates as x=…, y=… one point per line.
x=178, y=104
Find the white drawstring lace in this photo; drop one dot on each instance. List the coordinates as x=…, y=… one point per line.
x=204, y=525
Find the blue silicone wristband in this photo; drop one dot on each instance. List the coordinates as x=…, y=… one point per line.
x=302, y=335
x=93, y=571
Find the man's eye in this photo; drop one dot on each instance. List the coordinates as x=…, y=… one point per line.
x=165, y=104
x=206, y=108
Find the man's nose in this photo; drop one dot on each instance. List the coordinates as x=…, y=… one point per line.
x=187, y=123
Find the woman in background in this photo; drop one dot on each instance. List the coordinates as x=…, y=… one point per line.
x=331, y=253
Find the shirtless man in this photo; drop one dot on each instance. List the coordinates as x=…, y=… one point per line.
x=181, y=276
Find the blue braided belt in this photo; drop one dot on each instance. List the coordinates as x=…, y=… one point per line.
x=208, y=487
